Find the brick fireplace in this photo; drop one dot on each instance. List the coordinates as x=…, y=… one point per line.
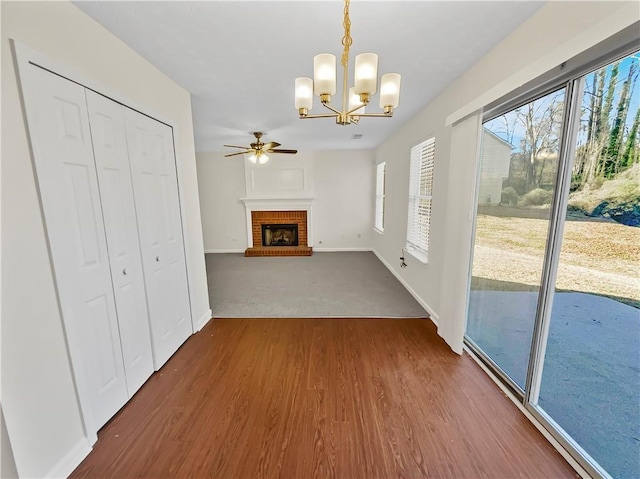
x=282, y=218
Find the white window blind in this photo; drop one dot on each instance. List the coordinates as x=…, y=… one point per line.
x=420, y=191
x=381, y=171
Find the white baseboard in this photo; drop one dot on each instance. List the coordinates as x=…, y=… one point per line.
x=65, y=466
x=319, y=250
x=231, y=250
x=548, y=436
x=204, y=319
x=338, y=250
x=432, y=315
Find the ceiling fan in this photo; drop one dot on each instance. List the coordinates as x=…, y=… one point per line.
x=258, y=151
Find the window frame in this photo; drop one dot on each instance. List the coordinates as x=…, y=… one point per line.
x=378, y=221
x=420, y=197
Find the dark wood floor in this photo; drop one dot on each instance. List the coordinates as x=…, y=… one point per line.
x=344, y=398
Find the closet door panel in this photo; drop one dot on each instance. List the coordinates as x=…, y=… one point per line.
x=63, y=156
x=159, y=222
x=116, y=192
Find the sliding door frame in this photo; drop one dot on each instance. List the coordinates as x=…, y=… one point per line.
x=570, y=76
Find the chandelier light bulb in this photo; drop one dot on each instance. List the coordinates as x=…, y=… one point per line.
x=366, y=73
x=252, y=158
x=324, y=74
x=304, y=93
x=390, y=90
x=262, y=158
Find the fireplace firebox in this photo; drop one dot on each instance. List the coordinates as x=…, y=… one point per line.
x=279, y=235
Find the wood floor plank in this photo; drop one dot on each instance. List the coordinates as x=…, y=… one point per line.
x=320, y=398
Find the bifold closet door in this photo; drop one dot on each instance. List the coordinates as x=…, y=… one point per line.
x=116, y=193
x=66, y=172
x=155, y=188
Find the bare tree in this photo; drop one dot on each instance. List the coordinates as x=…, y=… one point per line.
x=541, y=121
x=594, y=145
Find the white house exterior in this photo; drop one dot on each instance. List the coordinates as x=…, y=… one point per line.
x=494, y=167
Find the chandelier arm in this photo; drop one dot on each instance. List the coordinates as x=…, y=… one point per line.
x=328, y=115
x=352, y=112
x=379, y=115
x=336, y=111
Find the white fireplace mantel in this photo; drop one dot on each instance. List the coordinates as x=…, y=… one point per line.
x=279, y=204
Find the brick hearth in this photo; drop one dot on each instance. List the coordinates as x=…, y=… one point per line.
x=258, y=218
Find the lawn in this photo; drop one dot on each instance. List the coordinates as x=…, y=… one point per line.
x=597, y=257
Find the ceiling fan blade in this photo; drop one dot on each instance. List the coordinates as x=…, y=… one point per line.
x=290, y=152
x=271, y=145
x=235, y=154
x=234, y=146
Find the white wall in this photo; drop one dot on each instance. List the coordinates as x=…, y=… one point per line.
x=221, y=184
x=557, y=32
x=283, y=176
x=38, y=395
x=340, y=181
x=345, y=198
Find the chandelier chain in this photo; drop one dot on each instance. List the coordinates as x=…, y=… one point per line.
x=347, y=41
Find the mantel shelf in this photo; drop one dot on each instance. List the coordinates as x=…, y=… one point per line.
x=253, y=201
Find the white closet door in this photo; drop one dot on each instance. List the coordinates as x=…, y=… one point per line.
x=155, y=189
x=59, y=130
x=116, y=193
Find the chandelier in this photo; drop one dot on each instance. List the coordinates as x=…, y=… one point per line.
x=358, y=96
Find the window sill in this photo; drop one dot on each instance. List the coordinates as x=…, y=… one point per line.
x=419, y=255
x=378, y=231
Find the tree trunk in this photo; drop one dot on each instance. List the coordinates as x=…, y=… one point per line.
x=630, y=146
x=612, y=156
x=592, y=149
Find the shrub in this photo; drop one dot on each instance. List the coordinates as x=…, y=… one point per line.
x=518, y=184
x=537, y=197
x=509, y=196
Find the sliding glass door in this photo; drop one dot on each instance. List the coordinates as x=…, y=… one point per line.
x=555, y=282
x=518, y=174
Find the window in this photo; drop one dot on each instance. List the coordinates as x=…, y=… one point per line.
x=420, y=191
x=381, y=172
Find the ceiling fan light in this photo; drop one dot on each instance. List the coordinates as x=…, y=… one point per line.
x=366, y=73
x=262, y=158
x=390, y=90
x=252, y=158
x=324, y=74
x=304, y=93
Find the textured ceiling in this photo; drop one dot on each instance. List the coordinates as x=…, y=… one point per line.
x=239, y=59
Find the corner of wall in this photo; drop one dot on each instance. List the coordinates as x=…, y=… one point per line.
x=204, y=319
x=433, y=316
x=72, y=459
